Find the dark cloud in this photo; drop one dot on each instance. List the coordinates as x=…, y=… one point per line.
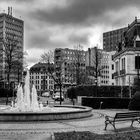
x=50, y=25
x=39, y=41
x=81, y=11
x=43, y=40
x=17, y=1
x=78, y=38
x=32, y=60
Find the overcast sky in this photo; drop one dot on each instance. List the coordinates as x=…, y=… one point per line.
x=50, y=24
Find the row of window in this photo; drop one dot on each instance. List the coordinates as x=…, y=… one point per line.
x=115, y=32
x=14, y=26
x=42, y=82
x=103, y=71
x=38, y=77
x=104, y=76
x=104, y=82
x=122, y=64
x=42, y=87
x=75, y=52
x=104, y=66
x=18, y=33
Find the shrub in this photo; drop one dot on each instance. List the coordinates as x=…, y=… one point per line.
x=71, y=93
x=6, y=92
x=135, y=102
x=106, y=102
x=103, y=91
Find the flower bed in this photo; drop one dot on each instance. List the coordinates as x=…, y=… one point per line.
x=135, y=135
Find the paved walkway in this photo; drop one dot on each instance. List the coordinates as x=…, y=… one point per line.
x=44, y=130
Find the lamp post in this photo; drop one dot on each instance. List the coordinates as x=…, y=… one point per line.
x=13, y=87
x=7, y=93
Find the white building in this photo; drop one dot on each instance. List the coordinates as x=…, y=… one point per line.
x=66, y=61
x=105, y=65
x=108, y=69
x=127, y=64
x=40, y=77
x=11, y=31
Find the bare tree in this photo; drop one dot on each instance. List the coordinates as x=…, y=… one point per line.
x=11, y=53
x=78, y=64
x=17, y=65
x=94, y=68
x=47, y=57
x=56, y=71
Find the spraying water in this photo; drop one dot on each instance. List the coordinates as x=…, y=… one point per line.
x=26, y=98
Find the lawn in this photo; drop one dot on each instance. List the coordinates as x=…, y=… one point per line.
x=135, y=135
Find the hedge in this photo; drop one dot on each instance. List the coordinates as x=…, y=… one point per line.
x=107, y=102
x=6, y=92
x=102, y=91
x=135, y=102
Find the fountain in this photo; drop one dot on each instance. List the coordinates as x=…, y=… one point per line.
x=27, y=107
x=27, y=101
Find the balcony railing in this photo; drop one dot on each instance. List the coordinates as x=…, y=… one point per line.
x=115, y=74
x=122, y=72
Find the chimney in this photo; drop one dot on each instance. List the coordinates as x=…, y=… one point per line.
x=8, y=10
x=11, y=11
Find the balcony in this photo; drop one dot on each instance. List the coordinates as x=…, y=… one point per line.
x=122, y=72
x=115, y=74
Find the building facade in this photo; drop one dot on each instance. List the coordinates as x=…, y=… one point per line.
x=93, y=62
x=40, y=77
x=132, y=35
x=127, y=60
x=101, y=60
x=108, y=68
x=70, y=63
x=126, y=66
x=111, y=39
x=12, y=34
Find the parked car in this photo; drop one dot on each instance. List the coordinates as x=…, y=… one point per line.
x=56, y=96
x=46, y=94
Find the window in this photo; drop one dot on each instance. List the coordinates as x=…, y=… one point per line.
x=112, y=76
x=112, y=67
x=123, y=63
x=137, y=62
x=117, y=66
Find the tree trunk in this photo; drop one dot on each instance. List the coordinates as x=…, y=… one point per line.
x=60, y=94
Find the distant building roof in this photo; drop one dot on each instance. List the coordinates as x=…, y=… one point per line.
x=40, y=67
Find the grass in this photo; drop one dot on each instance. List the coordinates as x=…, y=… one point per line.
x=135, y=135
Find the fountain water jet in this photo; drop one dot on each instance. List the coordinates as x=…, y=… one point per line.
x=26, y=99
x=27, y=108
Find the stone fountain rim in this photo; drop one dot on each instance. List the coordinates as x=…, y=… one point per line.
x=83, y=109
x=46, y=116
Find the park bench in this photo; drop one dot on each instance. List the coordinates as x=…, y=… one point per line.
x=125, y=116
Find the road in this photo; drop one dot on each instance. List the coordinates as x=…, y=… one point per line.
x=50, y=101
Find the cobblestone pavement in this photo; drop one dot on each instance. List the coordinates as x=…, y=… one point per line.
x=44, y=130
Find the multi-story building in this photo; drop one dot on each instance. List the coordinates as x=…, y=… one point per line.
x=93, y=64
x=132, y=35
x=102, y=61
x=70, y=63
x=11, y=29
x=126, y=66
x=127, y=60
x=40, y=77
x=112, y=38
x=108, y=69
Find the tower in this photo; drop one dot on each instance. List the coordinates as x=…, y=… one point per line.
x=11, y=30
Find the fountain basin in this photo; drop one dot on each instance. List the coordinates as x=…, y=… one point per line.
x=64, y=113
